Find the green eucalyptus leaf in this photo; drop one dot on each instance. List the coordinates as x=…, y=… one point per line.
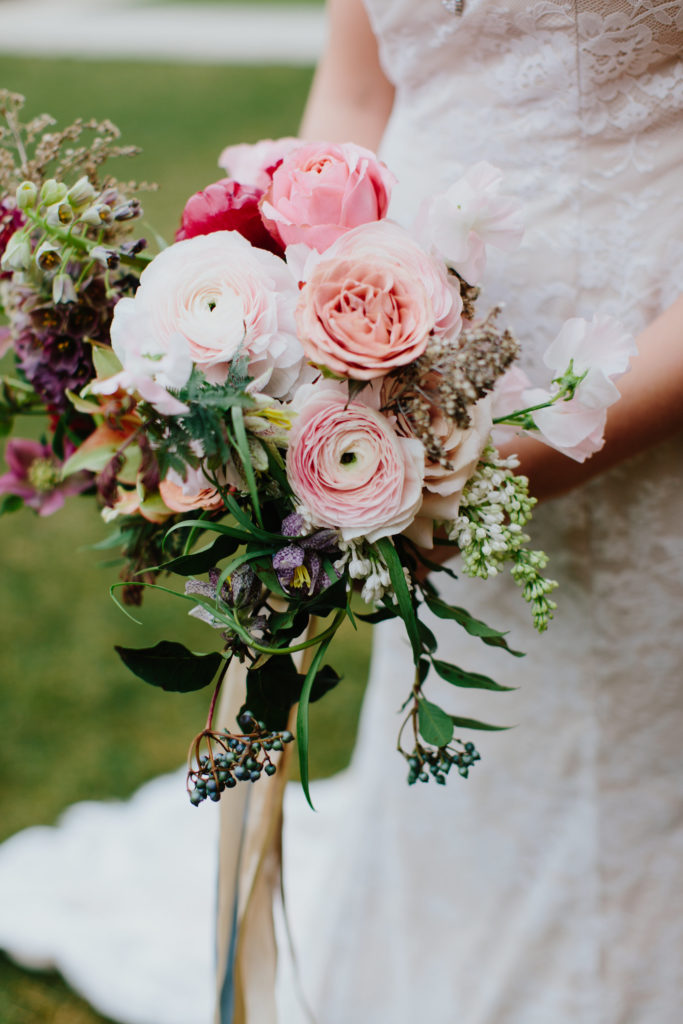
x=434, y=724
x=459, y=677
x=171, y=666
x=472, y=723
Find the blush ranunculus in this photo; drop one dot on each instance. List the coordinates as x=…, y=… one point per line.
x=371, y=301
x=226, y=205
x=254, y=163
x=217, y=296
x=321, y=190
x=348, y=466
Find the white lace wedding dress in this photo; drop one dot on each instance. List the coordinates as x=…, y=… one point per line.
x=548, y=887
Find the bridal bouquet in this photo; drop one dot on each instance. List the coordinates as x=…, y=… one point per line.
x=296, y=399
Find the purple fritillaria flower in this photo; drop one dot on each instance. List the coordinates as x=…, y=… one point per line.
x=300, y=565
x=35, y=475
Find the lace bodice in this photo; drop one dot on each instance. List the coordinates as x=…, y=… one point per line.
x=576, y=100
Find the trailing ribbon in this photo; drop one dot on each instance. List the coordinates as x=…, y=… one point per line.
x=249, y=876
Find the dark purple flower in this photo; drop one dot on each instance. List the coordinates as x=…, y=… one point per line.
x=301, y=565
x=51, y=344
x=35, y=475
x=11, y=219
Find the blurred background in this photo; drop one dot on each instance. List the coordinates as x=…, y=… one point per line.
x=182, y=80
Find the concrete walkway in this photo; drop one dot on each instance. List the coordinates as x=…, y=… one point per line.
x=198, y=33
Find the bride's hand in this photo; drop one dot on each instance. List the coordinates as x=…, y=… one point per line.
x=649, y=411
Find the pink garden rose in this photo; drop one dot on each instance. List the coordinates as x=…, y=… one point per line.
x=254, y=163
x=348, y=466
x=227, y=206
x=470, y=215
x=371, y=302
x=204, y=301
x=321, y=190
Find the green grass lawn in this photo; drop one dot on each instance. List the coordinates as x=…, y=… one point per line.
x=74, y=723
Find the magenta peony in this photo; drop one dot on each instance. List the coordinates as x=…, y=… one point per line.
x=321, y=190
x=348, y=466
x=227, y=206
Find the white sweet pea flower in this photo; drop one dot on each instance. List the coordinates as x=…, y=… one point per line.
x=601, y=349
x=470, y=215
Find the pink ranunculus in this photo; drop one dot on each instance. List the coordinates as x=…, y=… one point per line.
x=35, y=475
x=601, y=349
x=212, y=297
x=226, y=205
x=349, y=467
x=470, y=215
x=321, y=190
x=254, y=163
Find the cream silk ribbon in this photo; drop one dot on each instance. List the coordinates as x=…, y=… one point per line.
x=249, y=876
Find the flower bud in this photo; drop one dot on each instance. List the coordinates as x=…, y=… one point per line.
x=108, y=257
x=53, y=191
x=17, y=254
x=81, y=193
x=59, y=214
x=48, y=257
x=97, y=214
x=63, y=289
x=27, y=193
x=128, y=210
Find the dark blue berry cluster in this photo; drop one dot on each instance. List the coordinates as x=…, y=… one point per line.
x=438, y=761
x=222, y=759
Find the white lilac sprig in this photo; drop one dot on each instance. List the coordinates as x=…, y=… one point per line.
x=489, y=531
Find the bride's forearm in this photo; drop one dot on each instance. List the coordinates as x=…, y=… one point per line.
x=350, y=99
x=650, y=409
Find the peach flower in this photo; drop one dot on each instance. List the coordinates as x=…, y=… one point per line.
x=320, y=190
x=372, y=301
x=348, y=466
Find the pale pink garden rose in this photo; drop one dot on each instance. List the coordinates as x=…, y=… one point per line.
x=254, y=163
x=470, y=215
x=349, y=468
x=321, y=190
x=371, y=302
x=221, y=297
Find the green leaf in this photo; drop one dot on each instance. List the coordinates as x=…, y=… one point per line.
x=475, y=627
x=434, y=724
x=459, y=677
x=10, y=503
x=381, y=615
x=245, y=458
x=204, y=559
x=428, y=639
x=171, y=666
x=405, y=601
x=472, y=723
x=106, y=361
